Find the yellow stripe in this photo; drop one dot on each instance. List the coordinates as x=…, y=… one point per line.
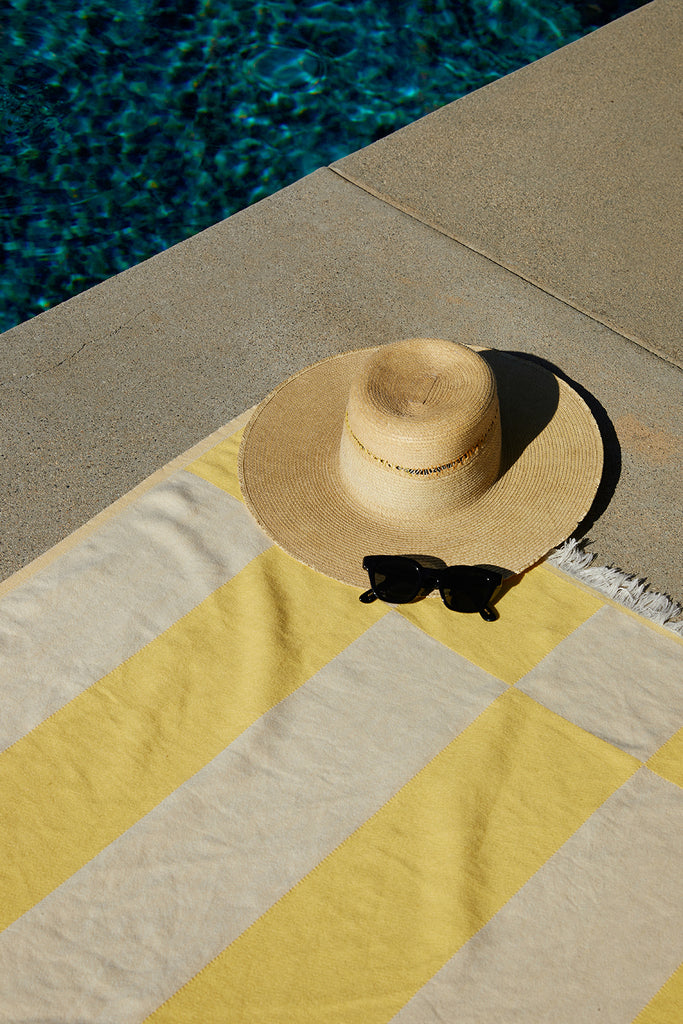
x=219, y=465
x=82, y=777
x=377, y=918
x=536, y=612
x=668, y=760
x=665, y=1007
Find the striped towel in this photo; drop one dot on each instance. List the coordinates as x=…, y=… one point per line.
x=233, y=793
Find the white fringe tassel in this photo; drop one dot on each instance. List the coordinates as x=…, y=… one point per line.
x=623, y=587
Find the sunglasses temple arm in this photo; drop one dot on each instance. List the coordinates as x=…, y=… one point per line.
x=368, y=597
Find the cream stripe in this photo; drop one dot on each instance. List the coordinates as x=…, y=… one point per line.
x=617, y=678
x=375, y=920
x=237, y=836
x=113, y=753
x=591, y=937
x=80, y=535
x=101, y=602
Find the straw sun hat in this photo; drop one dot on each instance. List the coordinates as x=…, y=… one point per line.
x=422, y=447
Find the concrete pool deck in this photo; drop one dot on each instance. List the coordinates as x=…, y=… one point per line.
x=538, y=215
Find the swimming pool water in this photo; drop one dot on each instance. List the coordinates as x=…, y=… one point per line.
x=132, y=125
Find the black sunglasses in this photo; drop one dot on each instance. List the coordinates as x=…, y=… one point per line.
x=399, y=579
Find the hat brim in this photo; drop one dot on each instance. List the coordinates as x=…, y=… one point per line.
x=550, y=471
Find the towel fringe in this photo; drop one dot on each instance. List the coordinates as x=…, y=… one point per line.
x=625, y=588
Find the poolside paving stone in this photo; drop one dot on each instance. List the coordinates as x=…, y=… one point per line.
x=105, y=388
x=568, y=172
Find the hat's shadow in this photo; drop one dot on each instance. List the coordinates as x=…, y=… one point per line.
x=541, y=399
x=540, y=395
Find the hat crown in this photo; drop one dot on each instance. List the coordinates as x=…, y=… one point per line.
x=422, y=429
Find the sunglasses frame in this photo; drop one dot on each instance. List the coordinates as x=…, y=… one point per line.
x=426, y=578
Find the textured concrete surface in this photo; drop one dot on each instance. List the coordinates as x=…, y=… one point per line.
x=560, y=172
x=568, y=172
x=104, y=389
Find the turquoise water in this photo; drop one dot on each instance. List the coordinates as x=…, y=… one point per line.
x=130, y=126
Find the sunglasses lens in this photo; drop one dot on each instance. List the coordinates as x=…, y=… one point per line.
x=466, y=588
x=393, y=578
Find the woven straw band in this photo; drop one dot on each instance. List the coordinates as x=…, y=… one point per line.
x=422, y=430
x=456, y=463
